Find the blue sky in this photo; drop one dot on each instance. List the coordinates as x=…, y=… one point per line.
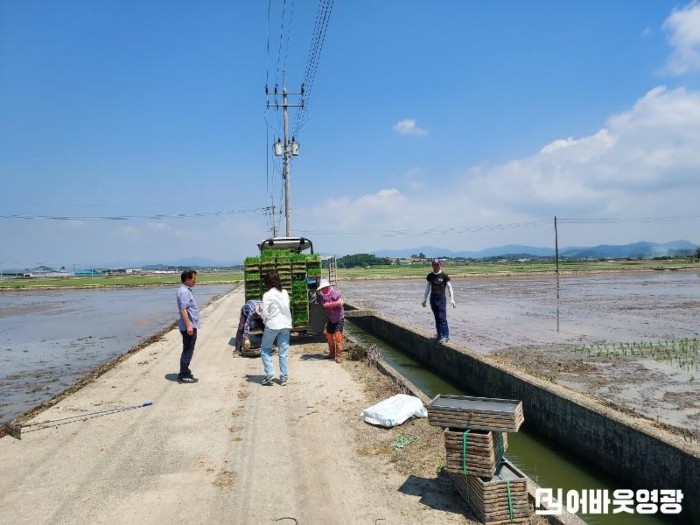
x=459, y=124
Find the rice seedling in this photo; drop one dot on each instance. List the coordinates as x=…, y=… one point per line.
x=683, y=352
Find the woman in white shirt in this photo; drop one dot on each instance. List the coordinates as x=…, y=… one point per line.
x=277, y=317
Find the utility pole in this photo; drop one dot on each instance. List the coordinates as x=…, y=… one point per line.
x=286, y=148
x=556, y=245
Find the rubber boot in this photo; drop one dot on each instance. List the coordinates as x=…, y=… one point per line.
x=338, y=347
x=331, y=345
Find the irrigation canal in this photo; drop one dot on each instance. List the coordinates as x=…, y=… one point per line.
x=542, y=462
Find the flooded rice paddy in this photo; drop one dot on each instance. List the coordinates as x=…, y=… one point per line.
x=562, y=329
x=50, y=339
x=559, y=329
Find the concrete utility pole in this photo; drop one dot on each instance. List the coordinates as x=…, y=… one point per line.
x=286, y=149
x=556, y=245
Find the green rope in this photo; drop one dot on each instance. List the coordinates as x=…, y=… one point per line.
x=510, y=501
x=465, y=447
x=402, y=441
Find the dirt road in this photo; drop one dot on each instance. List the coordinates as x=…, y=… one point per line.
x=224, y=450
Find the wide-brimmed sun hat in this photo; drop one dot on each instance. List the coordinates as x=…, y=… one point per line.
x=323, y=284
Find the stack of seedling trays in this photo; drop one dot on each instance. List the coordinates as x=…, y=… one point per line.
x=313, y=266
x=268, y=262
x=299, y=293
x=252, y=280
x=499, y=499
x=291, y=268
x=475, y=441
x=284, y=270
x=484, y=451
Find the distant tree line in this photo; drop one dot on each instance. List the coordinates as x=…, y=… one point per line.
x=362, y=260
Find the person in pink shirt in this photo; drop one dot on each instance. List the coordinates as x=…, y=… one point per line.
x=332, y=302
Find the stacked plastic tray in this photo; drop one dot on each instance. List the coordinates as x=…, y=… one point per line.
x=475, y=441
x=252, y=279
x=292, y=270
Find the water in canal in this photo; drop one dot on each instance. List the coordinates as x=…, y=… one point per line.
x=543, y=463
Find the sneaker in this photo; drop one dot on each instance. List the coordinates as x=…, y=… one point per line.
x=283, y=381
x=187, y=379
x=267, y=380
x=442, y=340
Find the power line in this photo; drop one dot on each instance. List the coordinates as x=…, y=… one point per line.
x=267, y=58
x=613, y=220
x=279, y=50
x=435, y=230
x=317, y=40
x=128, y=217
x=536, y=223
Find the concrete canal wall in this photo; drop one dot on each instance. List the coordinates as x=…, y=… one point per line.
x=629, y=449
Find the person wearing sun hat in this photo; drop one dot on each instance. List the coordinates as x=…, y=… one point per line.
x=332, y=303
x=438, y=282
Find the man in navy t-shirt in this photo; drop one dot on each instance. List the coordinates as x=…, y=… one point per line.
x=438, y=281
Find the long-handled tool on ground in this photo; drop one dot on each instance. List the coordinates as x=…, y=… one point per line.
x=16, y=430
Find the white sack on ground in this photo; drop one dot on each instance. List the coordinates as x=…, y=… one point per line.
x=394, y=411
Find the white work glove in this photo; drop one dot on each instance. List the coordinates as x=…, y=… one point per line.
x=453, y=304
x=423, y=303
x=246, y=344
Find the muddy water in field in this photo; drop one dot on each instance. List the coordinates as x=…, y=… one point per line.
x=535, y=323
x=49, y=339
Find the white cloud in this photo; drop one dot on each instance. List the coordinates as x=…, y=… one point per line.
x=158, y=227
x=414, y=178
x=644, y=162
x=652, y=147
x=128, y=232
x=684, y=27
x=408, y=127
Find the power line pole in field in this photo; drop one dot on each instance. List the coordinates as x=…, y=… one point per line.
x=556, y=245
x=286, y=148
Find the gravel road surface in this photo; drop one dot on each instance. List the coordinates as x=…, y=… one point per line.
x=223, y=450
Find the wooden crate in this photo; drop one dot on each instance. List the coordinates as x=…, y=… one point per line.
x=484, y=451
x=496, y=500
x=476, y=413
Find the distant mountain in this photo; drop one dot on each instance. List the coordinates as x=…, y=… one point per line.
x=432, y=251
x=633, y=251
x=638, y=250
x=189, y=262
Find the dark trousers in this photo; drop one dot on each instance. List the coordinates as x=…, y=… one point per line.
x=439, y=307
x=239, y=333
x=188, y=342
x=332, y=328
x=241, y=329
